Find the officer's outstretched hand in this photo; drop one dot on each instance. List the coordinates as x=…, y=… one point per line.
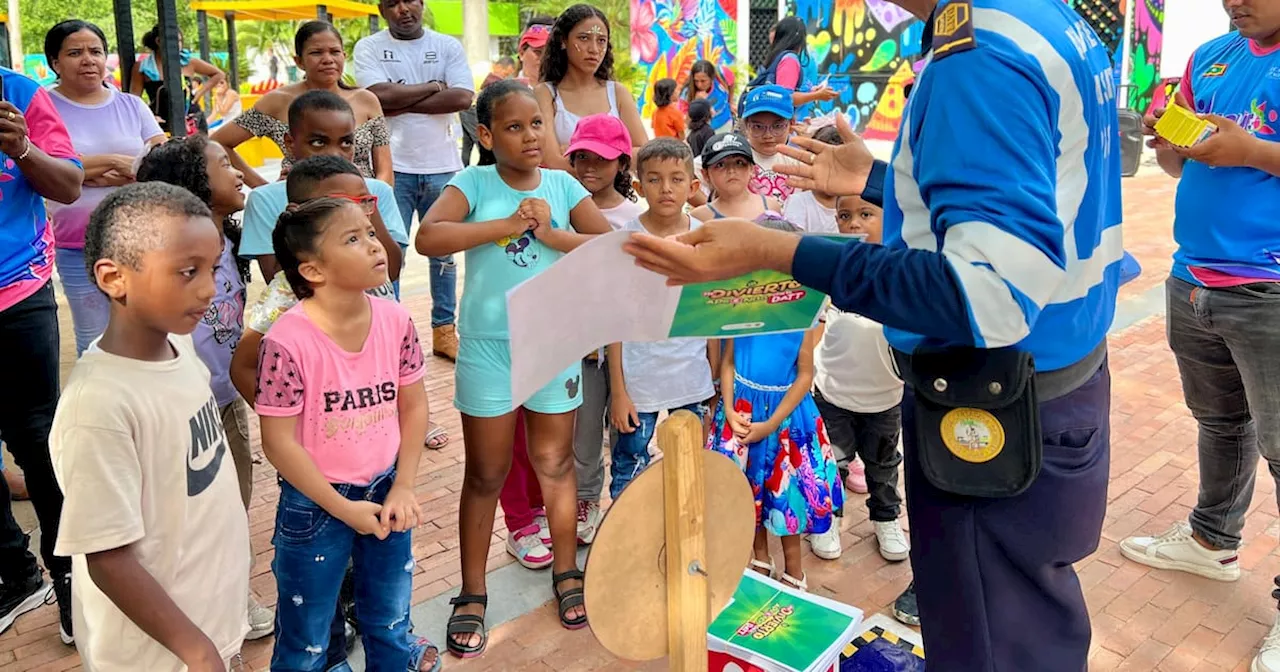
x=718, y=250
x=837, y=170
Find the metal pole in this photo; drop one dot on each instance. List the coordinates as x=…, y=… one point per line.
x=124, y=41
x=373, y=24
x=174, y=84
x=233, y=54
x=202, y=23
x=322, y=12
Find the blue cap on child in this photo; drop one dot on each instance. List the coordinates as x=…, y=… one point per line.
x=768, y=98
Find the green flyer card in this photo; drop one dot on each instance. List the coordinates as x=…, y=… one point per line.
x=768, y=625
x=761, y=302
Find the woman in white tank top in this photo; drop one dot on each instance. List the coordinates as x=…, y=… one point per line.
x=577, y=81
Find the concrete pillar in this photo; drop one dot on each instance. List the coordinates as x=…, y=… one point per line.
x=475, y=30
x=15, y=35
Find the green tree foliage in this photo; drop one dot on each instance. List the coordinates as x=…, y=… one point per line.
x=39, y=17
x=257, y=36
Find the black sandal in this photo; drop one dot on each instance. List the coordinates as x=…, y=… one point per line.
x=465, y=625
x=573, y=597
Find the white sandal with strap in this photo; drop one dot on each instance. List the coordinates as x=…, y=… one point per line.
x=801, y=584
x=761, y=566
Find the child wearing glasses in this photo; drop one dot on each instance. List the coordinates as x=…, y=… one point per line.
x=321, y=123
x=766, y=124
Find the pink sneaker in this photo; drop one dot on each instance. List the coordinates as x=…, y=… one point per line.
x=856, y=481
x=527, y=548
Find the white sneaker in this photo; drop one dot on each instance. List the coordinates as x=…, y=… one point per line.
x=589, y=517
x=262, y=621
x=1176, y=549
x=1268, y=659
x=894, y=546
x=544, y=529
x=827, y=544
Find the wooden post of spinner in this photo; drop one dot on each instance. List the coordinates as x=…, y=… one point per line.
x=680, y=438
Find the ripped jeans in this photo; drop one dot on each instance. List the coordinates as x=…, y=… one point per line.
x=631, y=451
x=311, y=552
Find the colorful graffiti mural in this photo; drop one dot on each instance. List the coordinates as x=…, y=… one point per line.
x=669, y=36
x=1107, y=18
x=868, y=49
x=1144, y=64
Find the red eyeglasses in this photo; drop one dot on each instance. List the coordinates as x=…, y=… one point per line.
x=368, y=202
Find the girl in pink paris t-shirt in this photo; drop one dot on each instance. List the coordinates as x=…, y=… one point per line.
x=344, y=414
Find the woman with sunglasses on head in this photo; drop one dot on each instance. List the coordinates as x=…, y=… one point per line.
x=707, y=82
x=577, y=81
x=321, y=55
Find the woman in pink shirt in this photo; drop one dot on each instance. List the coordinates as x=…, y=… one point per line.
x=788, y=54
x=344, y=415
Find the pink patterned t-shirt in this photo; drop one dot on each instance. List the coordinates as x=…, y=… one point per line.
x=346, y=402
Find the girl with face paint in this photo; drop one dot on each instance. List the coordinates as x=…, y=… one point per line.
x=577, y=81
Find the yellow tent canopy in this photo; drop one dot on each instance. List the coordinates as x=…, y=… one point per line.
x=284, y=10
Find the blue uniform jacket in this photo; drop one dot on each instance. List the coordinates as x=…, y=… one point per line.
x=1002, y=201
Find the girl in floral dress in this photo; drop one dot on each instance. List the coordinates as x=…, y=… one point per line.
x=768, y=423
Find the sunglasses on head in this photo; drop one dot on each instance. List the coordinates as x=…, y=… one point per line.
x=368, y=202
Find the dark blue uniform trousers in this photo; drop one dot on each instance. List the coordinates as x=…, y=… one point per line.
x=994, y=578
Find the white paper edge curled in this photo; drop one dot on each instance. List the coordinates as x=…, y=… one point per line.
x=573, y=308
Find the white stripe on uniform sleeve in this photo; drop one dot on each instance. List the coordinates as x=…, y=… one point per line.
x=996, y=314
x=1019, y=262
x=1074, y=134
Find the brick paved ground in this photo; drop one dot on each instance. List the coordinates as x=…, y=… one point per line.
x=1143, y=620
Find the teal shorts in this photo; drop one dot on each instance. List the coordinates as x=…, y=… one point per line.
x=482, y=380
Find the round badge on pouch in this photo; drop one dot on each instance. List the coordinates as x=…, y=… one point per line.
x=972, y=434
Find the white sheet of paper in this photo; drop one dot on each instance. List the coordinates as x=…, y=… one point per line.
x=561, y=315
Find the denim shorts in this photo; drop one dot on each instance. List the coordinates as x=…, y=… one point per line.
x=483, y=382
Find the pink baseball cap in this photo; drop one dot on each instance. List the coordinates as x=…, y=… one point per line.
x=603, y=134
x=535, y=36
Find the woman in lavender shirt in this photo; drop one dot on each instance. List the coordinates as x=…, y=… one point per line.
x=109, y=130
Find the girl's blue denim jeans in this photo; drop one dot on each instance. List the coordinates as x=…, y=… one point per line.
x=312, y=549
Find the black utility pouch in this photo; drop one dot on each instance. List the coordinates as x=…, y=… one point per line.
x=977, y=419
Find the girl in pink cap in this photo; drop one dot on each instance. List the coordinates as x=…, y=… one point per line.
x=600, y=153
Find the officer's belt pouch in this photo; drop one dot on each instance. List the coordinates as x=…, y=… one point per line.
x=977, y=419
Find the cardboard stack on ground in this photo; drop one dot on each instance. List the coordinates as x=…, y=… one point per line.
x=769, y=627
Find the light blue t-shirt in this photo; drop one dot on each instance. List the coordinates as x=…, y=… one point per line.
x=493, y=268
x=264, y=205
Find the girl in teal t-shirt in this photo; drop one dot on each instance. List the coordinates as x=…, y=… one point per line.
x=513, y=219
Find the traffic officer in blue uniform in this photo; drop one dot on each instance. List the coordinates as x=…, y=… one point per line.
x=997, y=284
